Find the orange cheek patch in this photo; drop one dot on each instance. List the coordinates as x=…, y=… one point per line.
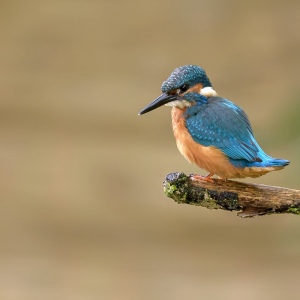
x=195, y=89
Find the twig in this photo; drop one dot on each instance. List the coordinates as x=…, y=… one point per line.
x=249, y=199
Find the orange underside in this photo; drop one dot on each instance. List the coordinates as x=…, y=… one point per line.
x=209, y=158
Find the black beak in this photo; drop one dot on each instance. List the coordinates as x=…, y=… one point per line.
x=161, y=100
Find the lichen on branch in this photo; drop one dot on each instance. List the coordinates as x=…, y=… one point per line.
x=248, y=199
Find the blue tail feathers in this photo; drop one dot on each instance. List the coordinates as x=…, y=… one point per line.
x=275, y=162
x=266, y=162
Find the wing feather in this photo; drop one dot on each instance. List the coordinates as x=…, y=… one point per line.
x=222, y=124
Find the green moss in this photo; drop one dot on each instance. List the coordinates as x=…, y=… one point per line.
x=170, y=189
x=176, y=187
x=294, y=210
x=209, y=203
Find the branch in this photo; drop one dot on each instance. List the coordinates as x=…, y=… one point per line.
x=249, y=199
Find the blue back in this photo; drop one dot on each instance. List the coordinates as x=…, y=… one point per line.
x=222, y=124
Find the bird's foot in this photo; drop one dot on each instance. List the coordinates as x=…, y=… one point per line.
x=203, y=178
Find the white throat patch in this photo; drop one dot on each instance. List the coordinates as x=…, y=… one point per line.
x=208, y=92
x=179, y=104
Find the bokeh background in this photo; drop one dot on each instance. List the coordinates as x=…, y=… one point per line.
x=82, y=210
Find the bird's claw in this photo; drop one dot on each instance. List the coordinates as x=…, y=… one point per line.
x=203, y=178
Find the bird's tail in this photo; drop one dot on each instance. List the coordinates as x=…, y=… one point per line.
x=269, y=161
x=276, y=162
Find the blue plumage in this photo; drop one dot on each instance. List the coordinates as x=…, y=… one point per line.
x=188, y=75
x=218, y=122
x=211, y=131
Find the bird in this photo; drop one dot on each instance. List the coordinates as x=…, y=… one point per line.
x=211, y=131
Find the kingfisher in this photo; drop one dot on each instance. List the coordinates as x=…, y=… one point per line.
x=210, y=131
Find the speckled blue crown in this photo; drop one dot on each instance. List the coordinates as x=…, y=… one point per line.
x=189, y=74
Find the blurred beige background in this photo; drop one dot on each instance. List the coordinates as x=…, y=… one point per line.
x=82, y=212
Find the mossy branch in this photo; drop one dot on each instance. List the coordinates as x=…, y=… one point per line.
x=248, y=199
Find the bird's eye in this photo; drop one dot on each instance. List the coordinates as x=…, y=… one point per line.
x=184, y=88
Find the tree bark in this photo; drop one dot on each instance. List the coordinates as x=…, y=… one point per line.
x=248, y=199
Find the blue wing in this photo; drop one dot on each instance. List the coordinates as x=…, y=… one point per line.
x=222, y=124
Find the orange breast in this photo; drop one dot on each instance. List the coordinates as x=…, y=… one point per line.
x=209, y=158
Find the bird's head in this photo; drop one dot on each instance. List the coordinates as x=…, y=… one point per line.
x=179, y=88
